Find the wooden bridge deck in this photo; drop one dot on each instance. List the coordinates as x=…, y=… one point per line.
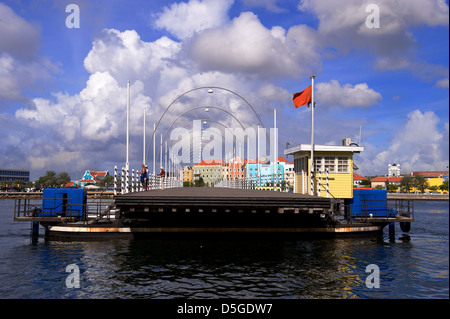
x=220, y=197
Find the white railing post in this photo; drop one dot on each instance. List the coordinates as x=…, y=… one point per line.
x=122, y=181
x=319, y=185
x=115, y=180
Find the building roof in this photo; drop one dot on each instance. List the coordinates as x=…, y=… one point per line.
x=93, y=181
x=389, y=179
x=282, y=159
x=323, y=148
x=211, y=162
x=99, y=174
x=359, y=177
x=429, y=174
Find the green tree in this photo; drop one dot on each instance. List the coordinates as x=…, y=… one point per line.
x=199, y=183
x=407, y=183
x=421, y=183
x=48, y=180
x=108, y=180
x=62, y=179
x=444, y=186
x=366, y=182
x=393, y=188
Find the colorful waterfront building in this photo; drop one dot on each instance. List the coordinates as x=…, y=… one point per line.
x=431, y=174
x=211, y=171
x=358, y=179
x=261, y=172
x=89, y=177
x=235, y=169
x=337, y=160
x=289, y=174
x=187, y=174
x=383, y=181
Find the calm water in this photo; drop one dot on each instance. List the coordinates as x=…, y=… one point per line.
x=413, y=266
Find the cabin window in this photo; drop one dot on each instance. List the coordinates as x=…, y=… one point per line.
x=301, y=164
x=342, y=164
x=337, y=164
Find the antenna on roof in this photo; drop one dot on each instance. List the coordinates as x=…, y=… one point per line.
x=287, y=145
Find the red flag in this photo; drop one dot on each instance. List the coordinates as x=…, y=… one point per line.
x=303, y=97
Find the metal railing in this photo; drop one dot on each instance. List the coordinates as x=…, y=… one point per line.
x=263, y=182
x=130, y=183
x=57, y=207
x=383, y=209
x=47, y=207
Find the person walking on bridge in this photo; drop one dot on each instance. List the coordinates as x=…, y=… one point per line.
x=162, y=175
x=144, y=177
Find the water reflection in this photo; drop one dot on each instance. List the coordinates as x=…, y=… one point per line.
x=413, y=265
x=221, y=268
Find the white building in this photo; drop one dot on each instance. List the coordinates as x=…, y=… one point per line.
x=394, y=170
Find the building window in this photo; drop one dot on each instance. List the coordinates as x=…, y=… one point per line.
x=339, y=164
x=342, y=164
x=301, y=164
x=330, y=164
x=318, y=164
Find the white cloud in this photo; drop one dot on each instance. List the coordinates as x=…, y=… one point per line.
x=95, y=114
x=18, y=38
x=20, y=65
x=418, y=145
x=247, y=46
x=185, y=19
x=270, y=5
x=126, y=57
x=348, y=95
x=443, y=83
x=240, y=55
x=343, y=26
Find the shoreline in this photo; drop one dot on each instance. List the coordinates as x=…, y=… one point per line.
x=110, y=195
x=433, y=197
x=38, y=195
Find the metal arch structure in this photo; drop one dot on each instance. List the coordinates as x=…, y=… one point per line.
x=209, y=120
x=192, y=109
x=199, y=88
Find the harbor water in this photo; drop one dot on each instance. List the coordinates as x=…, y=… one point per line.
x=413, y=265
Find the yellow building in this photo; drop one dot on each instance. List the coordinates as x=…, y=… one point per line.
x=437, y=181
x=187, y=175
x=336, y=160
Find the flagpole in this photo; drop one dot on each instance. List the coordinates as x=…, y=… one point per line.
x=274, y=149
x=312, y=135
x=257, y=162
x=154, y=153
x=143, y=155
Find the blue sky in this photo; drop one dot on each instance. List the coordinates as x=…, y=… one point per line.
x=63, y=90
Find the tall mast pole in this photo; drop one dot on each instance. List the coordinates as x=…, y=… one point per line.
x=128, y=125
x=312, y=135
x=143, y=146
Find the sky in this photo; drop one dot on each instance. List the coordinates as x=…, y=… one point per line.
x=381, y=77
